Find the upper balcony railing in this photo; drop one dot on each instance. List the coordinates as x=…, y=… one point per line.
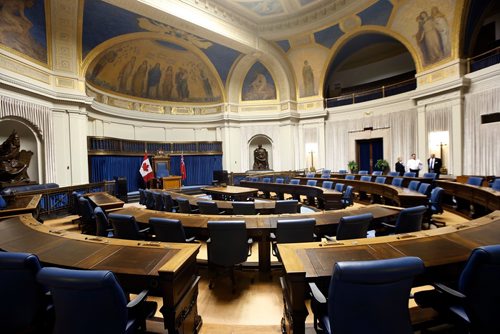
x=484, y=60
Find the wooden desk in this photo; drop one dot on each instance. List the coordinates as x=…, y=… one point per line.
x=484, y=196
x=388, y=180
x=166, y=269
x=230, y=193
x=105, y=200
x=171, y=182
x=259, y=227
x=443, y=251
x=21, y=205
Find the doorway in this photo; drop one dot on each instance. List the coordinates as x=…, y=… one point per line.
x=368, y=151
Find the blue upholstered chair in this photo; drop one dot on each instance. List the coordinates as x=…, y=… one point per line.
x=168, y=230
x=244, y=208
x=161, y=170
x=87, y=217
x=350, y=177
x=24, y=307
x=434, y=206
x=408, y=220
x=347, y=197
x=150, y=201
x=158, y=202
x=279, y=180
x=380, y=179
x=495, y=185
x=366, y=178
x=430, y=175
x=393, y=173
x=168, y=202
x=353, y=227
x=413, y=185
x=103, y=227
x=3, y=203
x=475, y=181
x=74, y=209
x=327, y=184
x=266, y=179
x=339, y=187
x=310, y=175
x=377, y=172
x=184, y=205
x=286, y=206
x=397, y=181
x=125, y=227
x=228, y=245
x=410, y=174
x=92, y=301
x=294, y=181
x=326, y=173
x=209, y=208
x=425, y=189
x=342, y=171
x=363, y=172
x=473, y=306
x=142, y=196
x=367, y=297
x=311, y=183
x=292, y=230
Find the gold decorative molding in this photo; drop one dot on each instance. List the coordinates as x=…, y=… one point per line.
x=26, y=70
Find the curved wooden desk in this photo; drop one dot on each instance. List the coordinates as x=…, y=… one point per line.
x=21, y=205
x=443, y=250
x=483, y=196
x=166, y=269
x=406, y=179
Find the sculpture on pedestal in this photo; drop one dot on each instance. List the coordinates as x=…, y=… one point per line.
x=260, y=159
x=13, y=162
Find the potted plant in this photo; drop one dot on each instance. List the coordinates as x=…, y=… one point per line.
x=382, y=165
x=353, y=166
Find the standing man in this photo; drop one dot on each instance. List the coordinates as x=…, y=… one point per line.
x=434, y=165
x=414, y=165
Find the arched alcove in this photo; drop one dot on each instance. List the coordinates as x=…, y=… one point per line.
x=266, y=143
x=28, y=140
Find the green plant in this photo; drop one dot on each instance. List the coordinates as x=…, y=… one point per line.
x=382, y=164
x=352, y=165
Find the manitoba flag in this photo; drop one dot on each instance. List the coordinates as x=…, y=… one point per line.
x=146, y=170
x=183, y=168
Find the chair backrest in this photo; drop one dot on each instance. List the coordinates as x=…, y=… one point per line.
x=102, y=223
x=377, y=172
x=158, y=202
x=366, y=178
x=266, y=179
x=479, y=283
x=410, y=219
x=311, y=183
x=393, y=173
x=353, y=227
x=326, y=173
x=228, y=242
x=310, y=174
x=380, y=179
x=87, y=217
x=161, y=169
x=22, y=296
x=74, y=203
x=280, y=180
x=208, y=208
x=413, y=185
x=295, y=230
x=184, y=206
x=142, y=197
x=377, y=291
x=347, y=197
x=3, y=203
x=294, y=181
x=350, y=177
x=86, y=301
x=363, y=172
x=398, y=181
x=244, y=208
x=327, y=184
x=168, y=230
x=124, y=226
x=342, y=171
x=425, y=189
x=435, y=200
x=168, y=202
x=475, y=181
x=410, y=174
x=339, y=187
x=286, y=206
x=496, y=184
x=150, y=201
x=430, y=175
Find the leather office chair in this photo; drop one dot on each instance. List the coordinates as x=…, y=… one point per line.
x=380, y=179
x=413, y=185
x=326, y=173
x=474, y=304
x=291, y=231
x=3, y=203
x=475, y=181
x=425, y=189
x=25, y=307
x=103, y=227
x=430, y=175
x=393, y=174
x=397, y=181
x=208, y=208
x=408, y=220
x=353, y=227
x=168, y=202
x=339, y=187
x=347, y=197
x=87, y=217
x=294, y=181
x=185, y=206
x=228, y=245
x=327, y=184
x=74, y=210
x=158, y=202
x=434, y=206
x=377, y=172
x=244, y=208
x=125, y=227
x=92, y=301
x=142, y=197
x=363, y=172
x=312, y=183
x=168, y=230
x=350, y=177
x=150, y=201
x=366, y=178
x=495, y=185
x=367, y=297
x=286, y=206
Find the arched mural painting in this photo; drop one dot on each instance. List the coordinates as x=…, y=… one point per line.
x=258, y=84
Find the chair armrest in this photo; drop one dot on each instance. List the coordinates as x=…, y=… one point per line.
x=330, y=238
x=250, y=242
x=272, y=236
x=208, y=241
x=138, y=299
x=316, y=293
x=192, y=239
x=195, y=210
x=144, y=230
x=222, y=212
x=389, y=225
x=451, y=293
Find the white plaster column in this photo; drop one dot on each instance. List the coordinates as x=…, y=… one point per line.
x=77, y=120
x=421, y=136
x=456, y=136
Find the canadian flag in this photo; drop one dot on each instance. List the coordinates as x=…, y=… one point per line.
x=146, y=170
x=183, y=168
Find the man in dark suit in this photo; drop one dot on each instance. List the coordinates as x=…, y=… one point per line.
x=434, y=164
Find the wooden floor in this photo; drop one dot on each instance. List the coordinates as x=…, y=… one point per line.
x=254, y=307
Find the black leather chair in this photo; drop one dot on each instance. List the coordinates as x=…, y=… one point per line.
x=209, y=208
x=286, y=206
x=103, y=227
x=168, y=230
x=244, y=208
x=87, y=217
x=92, y=301
x=168, y=202
x=367, y=297
x=353, y=227
x=228, y=245
x=25, y=307
x=292, y=230
x=142, y=197
x=408, y=220
x=125, y=227
x=150, y=200
x=158, y=201
x=474, y=305
x=185, y=206
x=74, y=209
x=348, y=197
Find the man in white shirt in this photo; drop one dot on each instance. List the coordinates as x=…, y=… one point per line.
x=414, y=165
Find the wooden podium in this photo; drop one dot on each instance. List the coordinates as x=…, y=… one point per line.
x=171, y=182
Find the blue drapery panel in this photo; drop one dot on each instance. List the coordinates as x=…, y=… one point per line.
x=108, y=167
x=199, y=168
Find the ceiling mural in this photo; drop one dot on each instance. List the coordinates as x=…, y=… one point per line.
x=23, y=28
x=258, y=84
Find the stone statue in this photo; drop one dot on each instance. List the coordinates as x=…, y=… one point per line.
x=260, y=159
x=13, y=163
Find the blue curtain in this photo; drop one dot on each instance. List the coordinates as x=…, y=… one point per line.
x=109, y=167
x=199, y=168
